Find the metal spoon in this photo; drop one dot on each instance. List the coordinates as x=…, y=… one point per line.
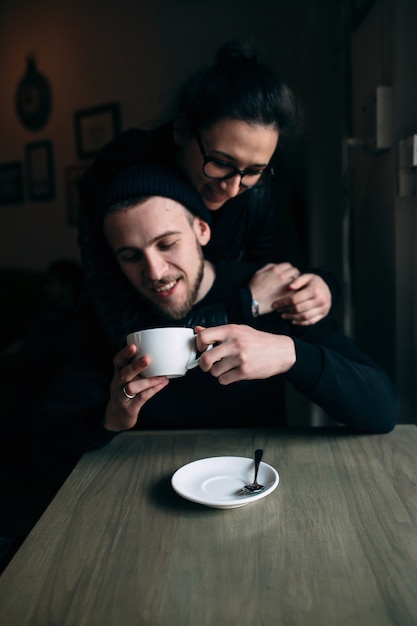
x=254, y=487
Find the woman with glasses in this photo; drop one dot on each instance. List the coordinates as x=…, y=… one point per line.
x=233, y=122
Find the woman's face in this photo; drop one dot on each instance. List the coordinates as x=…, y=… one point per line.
x=231, y=142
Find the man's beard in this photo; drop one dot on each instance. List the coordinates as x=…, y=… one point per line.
x=177, y=312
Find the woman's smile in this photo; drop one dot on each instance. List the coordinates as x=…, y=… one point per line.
x=212, y=195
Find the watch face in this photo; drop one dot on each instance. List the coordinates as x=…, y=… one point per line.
x=255, y=308
x=33, y=98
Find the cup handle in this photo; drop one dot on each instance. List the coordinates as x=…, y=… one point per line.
x=195, y=362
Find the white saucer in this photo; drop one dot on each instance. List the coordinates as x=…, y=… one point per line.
x=216, y=481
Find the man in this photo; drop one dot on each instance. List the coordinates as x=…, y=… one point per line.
x=157, y=227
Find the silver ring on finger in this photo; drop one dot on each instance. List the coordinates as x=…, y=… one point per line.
x=128, y=395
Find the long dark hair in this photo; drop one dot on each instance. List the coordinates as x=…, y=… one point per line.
x=239, y=86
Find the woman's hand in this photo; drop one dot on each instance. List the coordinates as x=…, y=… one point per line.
x=307, y=301
x=270, y=283
x=122, y=412
x=303, y=299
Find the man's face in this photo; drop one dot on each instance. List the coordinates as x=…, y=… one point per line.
x=158, y=246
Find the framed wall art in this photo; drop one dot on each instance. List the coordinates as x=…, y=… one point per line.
x=73, y=174
x=94, y=127
x=40, y=170
x=11, y=182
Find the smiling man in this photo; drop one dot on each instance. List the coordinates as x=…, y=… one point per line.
x=154, y=227
x=165, y=265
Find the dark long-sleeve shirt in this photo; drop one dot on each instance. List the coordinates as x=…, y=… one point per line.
x=246, y=227
x=330, y=370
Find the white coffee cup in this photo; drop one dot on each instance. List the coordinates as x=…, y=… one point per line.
x=172, y=350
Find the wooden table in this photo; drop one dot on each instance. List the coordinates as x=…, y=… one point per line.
x=334, y=545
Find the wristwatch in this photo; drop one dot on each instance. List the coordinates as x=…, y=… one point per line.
x=255, y=308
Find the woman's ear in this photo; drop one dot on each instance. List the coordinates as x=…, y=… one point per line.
x=202, y=231
x=182, y=131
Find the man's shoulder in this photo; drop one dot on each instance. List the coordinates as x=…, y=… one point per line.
x=235, y=272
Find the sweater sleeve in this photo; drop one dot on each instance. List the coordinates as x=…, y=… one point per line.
x=335, y=374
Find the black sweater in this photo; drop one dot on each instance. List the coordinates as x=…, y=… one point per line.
x=330, y=370
x=245, y=228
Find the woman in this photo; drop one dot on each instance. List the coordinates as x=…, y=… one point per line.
x=233, y=122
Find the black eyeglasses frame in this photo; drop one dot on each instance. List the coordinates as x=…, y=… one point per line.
x=236, y=171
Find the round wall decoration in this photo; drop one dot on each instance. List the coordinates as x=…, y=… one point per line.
x=33, y=98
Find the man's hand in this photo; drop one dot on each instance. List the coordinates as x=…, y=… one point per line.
x=122, y=412
x=307, y=301
x=243, y=353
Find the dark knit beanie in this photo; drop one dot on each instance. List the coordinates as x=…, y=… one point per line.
x=147, y=179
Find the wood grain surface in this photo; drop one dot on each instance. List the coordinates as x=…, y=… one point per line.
x=334, y=545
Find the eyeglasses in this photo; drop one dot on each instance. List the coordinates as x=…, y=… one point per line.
x=217, y=169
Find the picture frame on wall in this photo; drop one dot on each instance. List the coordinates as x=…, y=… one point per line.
x=73, y=174
x=40, y=170
x=11, y=182
x=95, y=127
